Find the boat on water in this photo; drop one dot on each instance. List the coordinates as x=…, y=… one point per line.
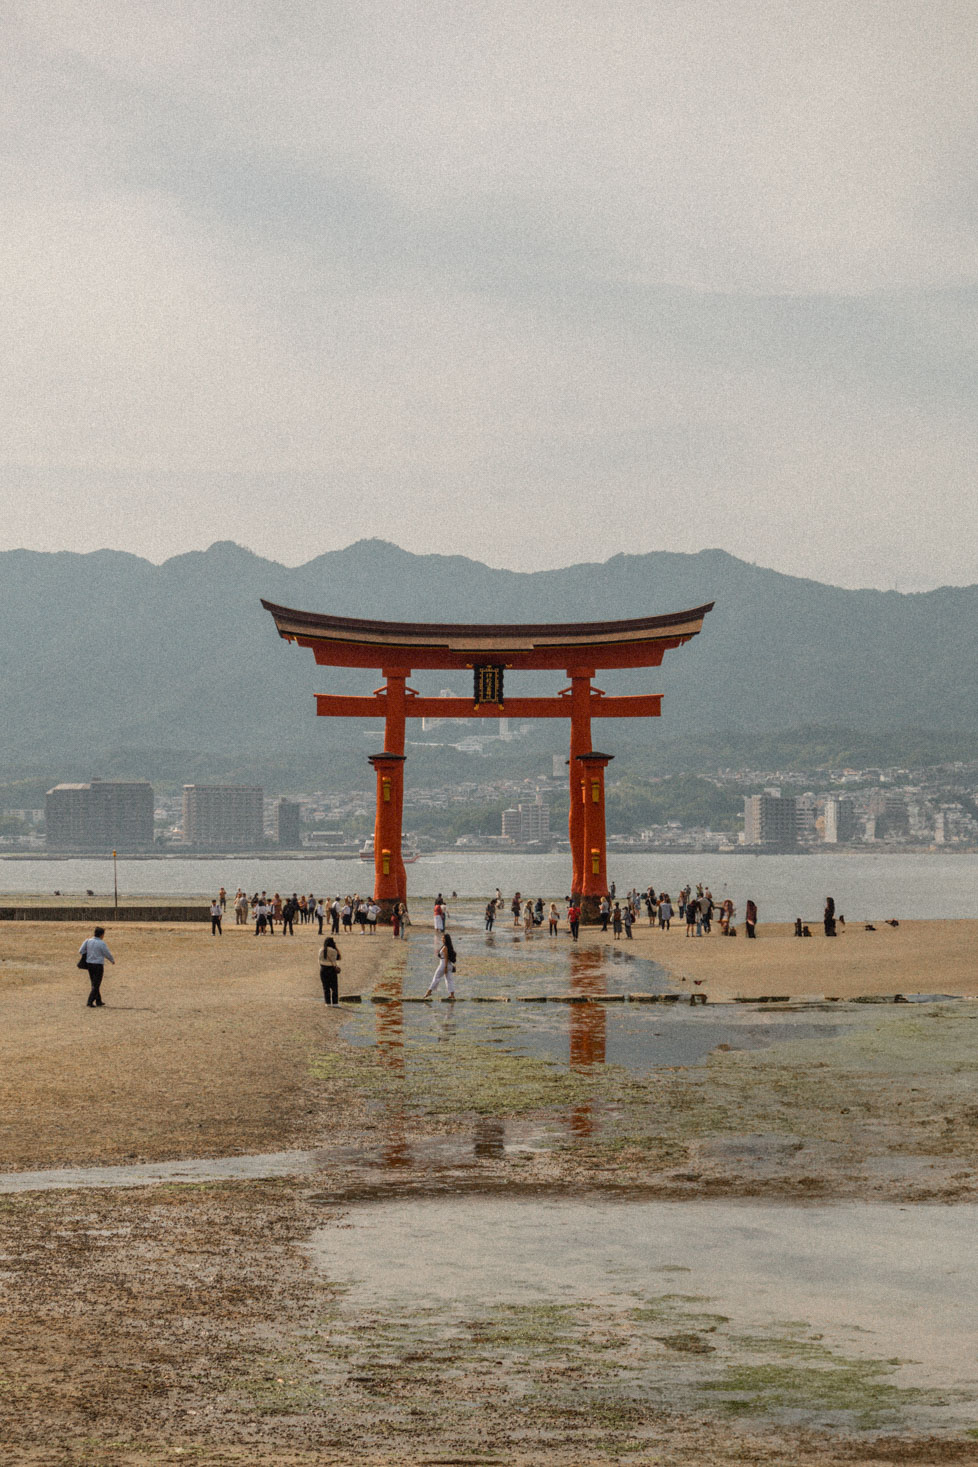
x=367, y=853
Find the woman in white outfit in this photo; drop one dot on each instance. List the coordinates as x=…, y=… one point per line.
x=445, y=969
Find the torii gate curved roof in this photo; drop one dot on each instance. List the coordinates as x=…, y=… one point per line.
x=342, y=641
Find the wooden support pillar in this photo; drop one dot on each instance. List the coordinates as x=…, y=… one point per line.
x=580, y=743
x=394, y=738
x=595, y=847
x=387, y=830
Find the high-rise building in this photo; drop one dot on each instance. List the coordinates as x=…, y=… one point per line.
x=535, y=820
x=805, y=829
x=512, y=829
x=287, y=814
x=840, y=820
x=770, y=821
x=528, y=822
x=893, y=821
x=105, y=815
x=223, y=817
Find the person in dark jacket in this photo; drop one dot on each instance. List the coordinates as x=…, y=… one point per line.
x=750, y=917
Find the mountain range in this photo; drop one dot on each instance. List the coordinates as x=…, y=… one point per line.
x=108, y=657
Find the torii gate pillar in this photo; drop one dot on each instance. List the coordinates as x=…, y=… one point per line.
x=389, y=886
x=580, y=743
x=594, y=857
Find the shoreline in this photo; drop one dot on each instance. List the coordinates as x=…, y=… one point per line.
x=272, y=853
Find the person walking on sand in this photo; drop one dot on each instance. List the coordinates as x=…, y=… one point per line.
x=528, y=921
x=616, y=922
x=329, y=969
x=446, y=968
x=490, y=915
x=574, y=919
x=217, y=912
x=93, y=955
x=553, y=919
x=628, y=917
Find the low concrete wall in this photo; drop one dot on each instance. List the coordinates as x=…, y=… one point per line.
x=104, y=915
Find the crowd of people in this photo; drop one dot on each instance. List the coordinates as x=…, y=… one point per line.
x=268, y=911
x=696, y=909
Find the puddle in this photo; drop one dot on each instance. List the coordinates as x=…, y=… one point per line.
x=150, y=1174
x=577, y=1036
x=504, y=966
x=854, y=1316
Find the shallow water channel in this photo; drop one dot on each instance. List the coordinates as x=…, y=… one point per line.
x=518, y=996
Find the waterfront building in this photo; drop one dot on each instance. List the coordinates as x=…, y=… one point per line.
x=287, y=830
x=104, y=815
x=840, y=821
x=512, y=826
x=770, y=821
x=527, y=822
x=535, y=820
x=223, y=817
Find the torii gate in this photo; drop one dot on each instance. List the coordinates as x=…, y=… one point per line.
x=578, y=649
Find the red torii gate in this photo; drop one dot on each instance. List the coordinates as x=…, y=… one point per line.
x=578, y=648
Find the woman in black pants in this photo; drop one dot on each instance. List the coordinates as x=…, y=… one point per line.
x=329, y=970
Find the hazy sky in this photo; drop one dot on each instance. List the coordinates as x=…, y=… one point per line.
x=536, y=282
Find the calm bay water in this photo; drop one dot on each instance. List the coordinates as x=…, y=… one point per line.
x=865, y=886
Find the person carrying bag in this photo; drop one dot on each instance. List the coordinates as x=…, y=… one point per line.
x=329, y=970
x=92, y=957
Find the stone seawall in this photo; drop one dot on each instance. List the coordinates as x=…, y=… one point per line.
x=104, y=914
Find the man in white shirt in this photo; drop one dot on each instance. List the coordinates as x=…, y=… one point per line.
x=94, y=953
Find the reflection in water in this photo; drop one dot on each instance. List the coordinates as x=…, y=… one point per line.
x=390, y=1054
x=490, y=1137
x=588, y=1026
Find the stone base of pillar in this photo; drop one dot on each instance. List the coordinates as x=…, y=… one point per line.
x=590, y=911
x=386, y=905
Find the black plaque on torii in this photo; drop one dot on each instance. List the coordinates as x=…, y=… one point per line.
x=488, y=684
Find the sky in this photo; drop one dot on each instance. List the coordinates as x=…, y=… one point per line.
x=532, y=282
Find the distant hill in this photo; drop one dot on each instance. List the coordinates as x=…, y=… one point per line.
x=106, y=654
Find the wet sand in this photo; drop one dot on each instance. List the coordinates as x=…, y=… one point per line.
x=194, y=1320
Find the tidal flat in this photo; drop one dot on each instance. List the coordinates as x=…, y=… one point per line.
x=499, y=1231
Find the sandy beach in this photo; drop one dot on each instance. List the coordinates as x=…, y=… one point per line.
x=190, y=1321
x=914, y=957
